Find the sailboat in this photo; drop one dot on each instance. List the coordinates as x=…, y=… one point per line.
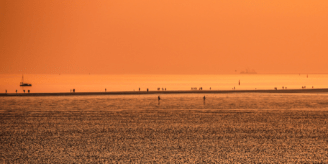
x=22, y=84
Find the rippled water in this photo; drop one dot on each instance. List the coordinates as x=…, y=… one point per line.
x=257, y=101
x=225, y=128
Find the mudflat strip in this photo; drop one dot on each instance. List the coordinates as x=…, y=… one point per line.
x=318, y=90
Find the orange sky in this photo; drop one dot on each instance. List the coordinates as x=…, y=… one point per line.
x=163, y=37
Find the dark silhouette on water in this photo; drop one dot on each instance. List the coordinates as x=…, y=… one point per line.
x=204, y=99
x=248, y=71
x=22, y=84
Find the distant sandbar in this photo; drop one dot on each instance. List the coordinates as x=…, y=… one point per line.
x=320, y=90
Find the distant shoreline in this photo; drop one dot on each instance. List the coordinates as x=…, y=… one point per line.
x=319, y=90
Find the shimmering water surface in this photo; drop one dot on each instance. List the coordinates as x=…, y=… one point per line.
x=98, y=83
x=240, y=101
x=182, y=128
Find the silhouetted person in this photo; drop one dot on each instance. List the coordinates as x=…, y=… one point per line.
x=159, y=98
x=16, y=90
x=204, y=99
x=147, y=89
x=165, y=89
x=73, y=90
x=139, y=88
x=28, y=91
x=24, y=91
x=6, y=90
x=105, y=89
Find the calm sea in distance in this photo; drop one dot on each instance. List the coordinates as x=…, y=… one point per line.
x=97, y=83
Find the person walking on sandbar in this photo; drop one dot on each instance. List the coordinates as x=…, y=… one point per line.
x=204, y=99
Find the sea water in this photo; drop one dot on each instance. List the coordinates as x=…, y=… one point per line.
x=179, y=128
x=98, y=83
x=240, y=101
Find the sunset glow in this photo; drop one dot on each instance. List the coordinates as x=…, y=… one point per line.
x=163, y=81
x=163, y=37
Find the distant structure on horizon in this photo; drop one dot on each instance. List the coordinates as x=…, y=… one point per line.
x=22, y=84
x=248, y=71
